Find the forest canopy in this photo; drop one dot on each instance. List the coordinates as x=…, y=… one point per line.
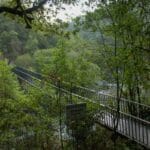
x=98, y=61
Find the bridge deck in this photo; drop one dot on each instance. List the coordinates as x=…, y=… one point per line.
x=133, y=129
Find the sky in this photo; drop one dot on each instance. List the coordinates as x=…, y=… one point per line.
x=72, y=11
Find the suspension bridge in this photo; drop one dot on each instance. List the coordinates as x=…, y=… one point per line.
x=133, y=120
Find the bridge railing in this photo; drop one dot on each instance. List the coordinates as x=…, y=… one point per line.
x=133, y=123
x=128, y=125
x=32, y=80
x=126, y=106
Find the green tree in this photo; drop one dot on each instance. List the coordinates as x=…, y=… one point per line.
x=127, y=59
x=24, y=61
x=68, y=62
x=23, y=116
x=11, y=103
x=15, y=40
x=10, y=44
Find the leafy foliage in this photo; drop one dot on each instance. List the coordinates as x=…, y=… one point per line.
x=128, y=54
x=15, y=40
x=120, y=55
x=68, y=63
x=22, y=116
x=11, y=102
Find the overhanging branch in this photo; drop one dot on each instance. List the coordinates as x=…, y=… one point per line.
x=17, y=10
x=35, y=8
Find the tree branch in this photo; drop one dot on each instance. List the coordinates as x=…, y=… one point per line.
x=11, y=11
x=21, y=12
x=35, y=8
x=15, y=11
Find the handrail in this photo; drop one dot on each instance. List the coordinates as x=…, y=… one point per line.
x=87, y=89
x=126, y=114
x=91, y=90
x=123, y=99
